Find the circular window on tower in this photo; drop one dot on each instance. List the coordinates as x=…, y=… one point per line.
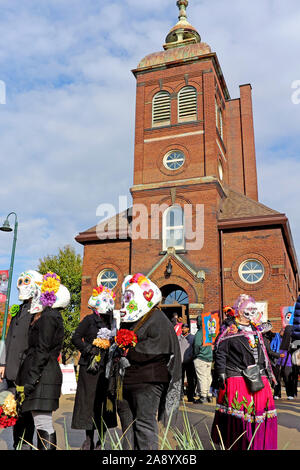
x=108, y=278
x=174, y=160
x=251, y=271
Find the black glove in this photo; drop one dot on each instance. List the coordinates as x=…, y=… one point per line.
x=28, y=388
x=221, y=381
x=95, y=351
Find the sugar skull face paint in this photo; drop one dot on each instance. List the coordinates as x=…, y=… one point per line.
x=140, y=295
x=102, y=300
x=248, y=311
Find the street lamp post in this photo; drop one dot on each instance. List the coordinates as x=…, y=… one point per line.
x=7, y=228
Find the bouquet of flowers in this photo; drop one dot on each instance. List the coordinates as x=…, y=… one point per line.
x=126, y=339
x=8, y=409
x=102, y=343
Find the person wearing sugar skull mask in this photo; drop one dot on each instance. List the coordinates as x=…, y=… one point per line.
x=93, y=338
x=245, y=411
x=39, y=379
x=16, y=343
x=151, y=388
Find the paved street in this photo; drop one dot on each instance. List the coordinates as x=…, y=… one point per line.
x=200, y=417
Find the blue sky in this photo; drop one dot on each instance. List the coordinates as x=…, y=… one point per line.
x=67, y=128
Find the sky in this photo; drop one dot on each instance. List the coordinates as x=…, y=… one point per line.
x=67, y=123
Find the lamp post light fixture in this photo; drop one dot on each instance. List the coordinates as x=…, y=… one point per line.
x=7, y=228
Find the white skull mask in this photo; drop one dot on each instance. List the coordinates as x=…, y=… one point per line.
x=63, y=297
x=102, y=300
x=140, y=295
x=29, y=287
x=249, y=311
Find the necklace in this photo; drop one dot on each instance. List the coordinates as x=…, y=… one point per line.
x=252, y=337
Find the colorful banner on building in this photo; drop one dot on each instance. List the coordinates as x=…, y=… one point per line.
x=3, y=285
x=210, y=327
x=287, y=315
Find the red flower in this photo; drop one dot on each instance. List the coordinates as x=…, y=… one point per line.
x=126, y=338
x=6, y=421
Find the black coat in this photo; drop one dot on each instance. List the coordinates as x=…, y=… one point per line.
x=40, y=367
x=235, y=353
x=91, y=394
x=86, y=332
x=16, y=341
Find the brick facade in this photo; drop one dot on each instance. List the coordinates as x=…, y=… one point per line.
x=235, y=226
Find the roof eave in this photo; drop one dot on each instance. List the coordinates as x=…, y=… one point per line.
x=266, y=220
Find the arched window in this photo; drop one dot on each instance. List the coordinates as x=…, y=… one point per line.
x=161, y=109
x=173, y=228
x=187, y=104
x=219, y=119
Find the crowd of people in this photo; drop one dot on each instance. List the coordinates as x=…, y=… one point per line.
x=137, y=365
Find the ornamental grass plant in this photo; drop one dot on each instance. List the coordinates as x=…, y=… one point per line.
x=170, y=438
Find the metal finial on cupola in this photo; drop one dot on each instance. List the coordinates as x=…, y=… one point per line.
x=182, y=4
x=183, y=33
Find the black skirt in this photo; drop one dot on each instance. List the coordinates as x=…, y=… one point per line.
x=90, y=407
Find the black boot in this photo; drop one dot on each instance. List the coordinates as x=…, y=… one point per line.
x=88, y=444
x=23, y=432
x=46, y=441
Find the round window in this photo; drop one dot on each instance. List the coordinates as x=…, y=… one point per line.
x=174, y=160
x=251, y=271
x=108, y=278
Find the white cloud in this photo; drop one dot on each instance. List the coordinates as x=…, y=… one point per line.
x=67, y=130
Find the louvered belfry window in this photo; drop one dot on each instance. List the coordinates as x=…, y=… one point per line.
x=187, y=104
x=161, y=109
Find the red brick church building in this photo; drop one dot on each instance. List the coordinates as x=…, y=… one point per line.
x=196, y=226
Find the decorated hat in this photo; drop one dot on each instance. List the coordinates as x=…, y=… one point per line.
x=140, y=295
x=102, y=300
x=54, y=294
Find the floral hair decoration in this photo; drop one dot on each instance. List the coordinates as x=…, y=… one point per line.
x=98, y=290
x=49, y=288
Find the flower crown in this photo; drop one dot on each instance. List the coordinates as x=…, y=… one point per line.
x=139, y=279
x=49, y=288
x=98, y=290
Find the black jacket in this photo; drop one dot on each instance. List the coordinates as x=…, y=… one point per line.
x=234, y=354
x=40, y=367
x=91, y=395
x=85, y=334
x=16, y=341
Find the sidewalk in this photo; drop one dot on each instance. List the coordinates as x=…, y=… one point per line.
x=200, y=417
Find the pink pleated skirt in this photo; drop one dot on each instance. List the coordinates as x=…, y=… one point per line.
x=243, y=420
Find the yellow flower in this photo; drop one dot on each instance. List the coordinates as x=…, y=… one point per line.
x=50, y=284
x=10, y=406
x=101, y=343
